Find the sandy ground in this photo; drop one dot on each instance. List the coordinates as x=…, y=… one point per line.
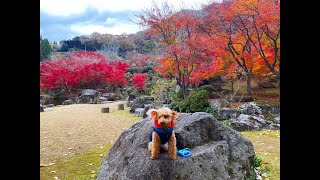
x=72, y=129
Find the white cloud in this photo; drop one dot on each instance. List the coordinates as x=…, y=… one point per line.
x=71, y=7
x=117, y=29
x=111, y=20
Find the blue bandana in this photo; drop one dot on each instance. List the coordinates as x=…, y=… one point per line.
x=164, y=134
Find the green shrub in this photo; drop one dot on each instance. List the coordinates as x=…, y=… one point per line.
x=162, y=90
x=147, y=69
x=133, y=69
x=196, y=101
x=208, y=88
x=226, y=122
x=270, y=117
x=129, y=90
x=257, y=161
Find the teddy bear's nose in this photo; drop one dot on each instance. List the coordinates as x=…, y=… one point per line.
x=162, y=123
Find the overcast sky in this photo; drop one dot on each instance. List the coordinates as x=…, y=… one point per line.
x=65, y=19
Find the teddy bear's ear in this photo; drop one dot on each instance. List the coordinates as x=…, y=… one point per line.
x=153, y=113
x=174, y=115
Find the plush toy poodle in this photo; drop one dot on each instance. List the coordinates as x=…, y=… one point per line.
x=162, y=132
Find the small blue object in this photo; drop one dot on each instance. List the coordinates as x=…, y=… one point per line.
x=184, y=152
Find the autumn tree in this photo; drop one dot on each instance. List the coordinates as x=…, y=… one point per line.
x=221, y=24
x=139, y=81
x=179, y=37
x=259, y=22
x=82, y=69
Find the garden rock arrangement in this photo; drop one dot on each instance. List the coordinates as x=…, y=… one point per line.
x=136, y=103
x=218, y=152
x=249, y=116
x=218, y=104
x=41, y=108
x=88, y=96
x=67, y=102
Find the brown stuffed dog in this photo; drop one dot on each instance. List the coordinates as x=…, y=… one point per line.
x=162, y=132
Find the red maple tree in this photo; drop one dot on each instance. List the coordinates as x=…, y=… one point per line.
x=139, y=81
x=82, y=69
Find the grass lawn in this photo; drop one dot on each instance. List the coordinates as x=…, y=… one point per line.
x=84, y=166
x=74, y=139
x=267, y=146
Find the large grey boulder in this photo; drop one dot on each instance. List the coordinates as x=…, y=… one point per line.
x=218, y=152
x=88, y=96
x=246, y=122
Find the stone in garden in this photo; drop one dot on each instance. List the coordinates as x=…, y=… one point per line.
x=218, y=152
x=105, y=109
x=120, y=106
x=109, y=96
x=146, y=109
x=218, y=104
x=246, y=122
x=274, y=126
x=41, y=108
x=131, y=97
x=67, y=102
x=88, y=96
x=148, y=100
x=251, y=109
x=136, y=103
x=273, y=109
x=42, y=102
x=230, y=113
x=139, y=111
x=276, y=119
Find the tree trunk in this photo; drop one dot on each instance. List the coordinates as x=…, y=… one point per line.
x=232, y=85
x=249, y=77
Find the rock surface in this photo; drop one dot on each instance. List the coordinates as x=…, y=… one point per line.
x=218, y=104
x=246, y=122
x=251, y=109
x=41, y=108
x=218, y=152
x=88, y=96
x=230, y=113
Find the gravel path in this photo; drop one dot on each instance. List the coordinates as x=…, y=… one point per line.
x=72, y=129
